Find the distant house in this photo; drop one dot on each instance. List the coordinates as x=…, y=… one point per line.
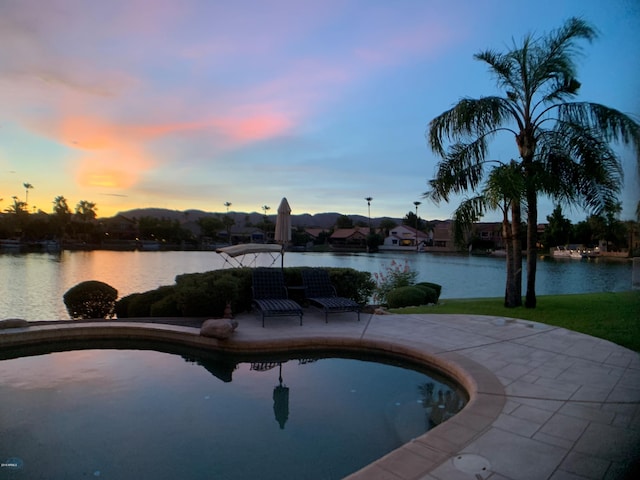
x=442, y=238
x=489, y=233
x=540, y=234
x=349, y=237
x=120, y=228
x=242, y=234
x=403, y=237
x=314, y=234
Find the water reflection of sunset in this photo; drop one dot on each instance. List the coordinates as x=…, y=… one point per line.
x=95, y=368
x=76, y=408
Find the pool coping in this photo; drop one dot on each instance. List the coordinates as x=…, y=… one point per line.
x=501, y=412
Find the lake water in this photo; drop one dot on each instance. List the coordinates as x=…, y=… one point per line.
x=33, y=284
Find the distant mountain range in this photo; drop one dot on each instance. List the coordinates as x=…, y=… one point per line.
x=319, y=220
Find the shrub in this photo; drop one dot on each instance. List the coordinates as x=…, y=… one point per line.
x=207, y=295
x=193, y=301
x=293, y=276
x=353, y=284
x=122, y=305
x=435, y=286
x=430, y=294
x=206, y=283
x=395, y=276
x=225, y=290
x=405, y=297
x=91, y=299
x=166, y=307
x=139, y=304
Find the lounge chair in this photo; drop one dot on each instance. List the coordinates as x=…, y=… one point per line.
x=270, y=294
x=320, y=292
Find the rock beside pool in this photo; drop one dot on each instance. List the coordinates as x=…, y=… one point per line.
x=220, y=328
x=13, y=323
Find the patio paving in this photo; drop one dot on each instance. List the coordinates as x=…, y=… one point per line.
x=545, y=402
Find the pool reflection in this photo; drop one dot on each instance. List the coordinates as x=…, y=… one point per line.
x=310, y=417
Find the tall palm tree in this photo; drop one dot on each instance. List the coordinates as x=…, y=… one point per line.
x=18, y=207
x=60, y=206
x=62, y=214
x=368, y=199
x=564, y=146
x=86, y=210
x=27, y=186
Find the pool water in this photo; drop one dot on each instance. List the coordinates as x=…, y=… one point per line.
x=134, y=414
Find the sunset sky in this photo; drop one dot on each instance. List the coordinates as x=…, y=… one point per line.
x=191, y=104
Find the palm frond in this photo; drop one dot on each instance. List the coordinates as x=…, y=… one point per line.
x=503, y=68
x=505, y=183
x=561, y=90
x=610, y=123
x=461, y=170
x=446, y=183
x=562, y=42
x=468, y=212
x=577, y=164
x=469, y=118
x=554, y=57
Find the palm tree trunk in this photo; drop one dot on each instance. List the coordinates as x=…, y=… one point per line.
x=509, y=291
x=532, y=250
x=515, y=297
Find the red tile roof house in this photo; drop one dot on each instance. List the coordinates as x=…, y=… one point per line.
x=314, y=233
x=349, y=238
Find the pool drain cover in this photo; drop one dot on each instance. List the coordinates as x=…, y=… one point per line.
x=473, y=464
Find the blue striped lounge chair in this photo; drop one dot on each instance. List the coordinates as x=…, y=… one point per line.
x=321, y=293
x=270, y=295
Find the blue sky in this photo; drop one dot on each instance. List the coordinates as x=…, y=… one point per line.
x=191, y=104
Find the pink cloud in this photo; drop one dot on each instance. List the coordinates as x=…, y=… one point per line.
x=142, y=71
x=255, y=127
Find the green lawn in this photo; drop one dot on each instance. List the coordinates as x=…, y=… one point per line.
x=612, y=316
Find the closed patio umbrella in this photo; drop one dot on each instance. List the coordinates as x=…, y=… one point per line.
x=283, y=226
x=280, y=392
x=281, y=401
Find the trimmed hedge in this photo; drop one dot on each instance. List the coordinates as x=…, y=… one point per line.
x=90, y=299
x=208, y=297
x=206, y=294
x=353, y=284
x=435, y=286
x=122, y=305
x=165, y=307
x=430, y=294
x=406, y=296
x=140, y=304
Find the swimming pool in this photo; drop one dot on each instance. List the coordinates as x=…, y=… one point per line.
x=173, y=413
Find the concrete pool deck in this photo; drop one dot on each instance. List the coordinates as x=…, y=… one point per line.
x=545, y=402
